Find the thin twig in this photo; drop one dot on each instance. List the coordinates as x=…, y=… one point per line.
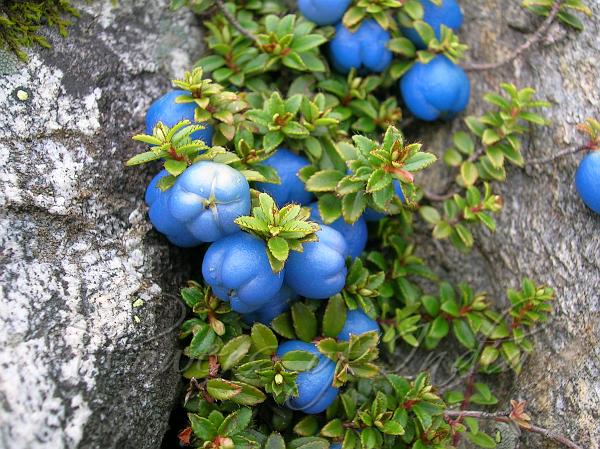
x=533, y=40
x=558, y=155
x=439, y=197
x=235, y=23
x=504, y=417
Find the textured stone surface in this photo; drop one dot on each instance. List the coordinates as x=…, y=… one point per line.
x=544, y=232
x=80, y=366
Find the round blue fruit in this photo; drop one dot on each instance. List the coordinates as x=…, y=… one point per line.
x=161, y=218
x=277, y=305
x=291, y=189
x=587, y=181
x=208, y=197
x=364, y=50
x=437, y=90
x=315, y=390
x=373, y=215
x=448, y=14
x=357, y=323
x=355, y=234
x=166, y=110
x=238, y=270
x=323, y=12
x=320, y=270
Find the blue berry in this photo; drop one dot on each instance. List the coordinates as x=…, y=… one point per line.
x=587, y=181
x=364, y=50
x=166, y=110
x=437, y=90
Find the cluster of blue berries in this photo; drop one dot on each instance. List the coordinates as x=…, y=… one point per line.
x=438, y=89
x=201, y=207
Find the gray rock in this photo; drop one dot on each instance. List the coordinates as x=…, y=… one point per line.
x=544, y=232
x=81, y=365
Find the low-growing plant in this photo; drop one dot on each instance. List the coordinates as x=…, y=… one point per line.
x=315, y=365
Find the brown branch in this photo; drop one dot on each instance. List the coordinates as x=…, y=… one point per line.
x=533, y=40
x=438, y=197
x=235, y=23
x=560, y=154
x=504, y=417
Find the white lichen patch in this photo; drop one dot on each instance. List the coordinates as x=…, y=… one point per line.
x=48, y=107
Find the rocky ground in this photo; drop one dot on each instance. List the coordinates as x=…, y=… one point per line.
x=88, y=310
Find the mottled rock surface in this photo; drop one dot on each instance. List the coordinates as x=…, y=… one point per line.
x=80, y=365
x=544, y=232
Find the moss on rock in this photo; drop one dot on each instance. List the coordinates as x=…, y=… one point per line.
x=20, y=22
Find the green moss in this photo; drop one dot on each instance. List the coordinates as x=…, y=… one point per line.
x=20, y=22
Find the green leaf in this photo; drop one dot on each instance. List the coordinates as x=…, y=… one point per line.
x=295, y=130
x=299, y=360
x=283, y=326
x=263, y=339
x=393, y=428
x=465, y=235
x=330, y=208
x=249, y=395
x=378, y=180
x=304, y=43
x=430, y=214
x=482, y=440
x=143, y=158
x=279, y=248
x=424, y=30
x=304, y=321
x=463, y=142
x=438, y=328
x=202, y=427
x=272, y=140
x=234, y=351
x=334, y=316
x=275, y=441
x=235, y=422
x=403, y=46
x=353, y=206
x=222, y=389
x=333, y=429
x=463, y=334
x=307, y=426
x=202, y=342
x=324, y=181
x=469, y=173
x=419, y=161
x=489, y=355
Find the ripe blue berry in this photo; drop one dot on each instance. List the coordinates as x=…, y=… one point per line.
x=315, y=390
x=276, y=306
x=238, y=270
x=364, y=50
x=323, y=12
x=166, y=110
x=320, y=270
x=587, y=180
x=161, y=218
x=357, y=323
x=355, y=234
x=437, y=90
x=291, y=189
x=448, y=14
x=208, y=197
